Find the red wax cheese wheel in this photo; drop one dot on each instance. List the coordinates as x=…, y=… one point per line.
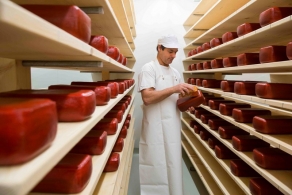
x=70, y=18
x=212, y=142
x=274, y=14
x=112, y=163
x=215, y=42
x=122, y=85
x=110, y=125
x=245, y=88
x=247, y=142
x=260, y=186
x=189, y=80
x=100, y=43
x=120, y=106
x=274, y=90
x=223, y=152
x=129, y=117
x=248, y=59
x=199, y=49
x=211, y=83
x=289, y=51
x=217, y=63
x=70, y=175
x=229, y=61
x=118, y=114
x=228, y=36
x=194, y=51
x=102, y=93
x=193, y=81
x=240, y=169
x=119, y=145
x=273, y=53
x=199, y=82
x=206, y=117
x=125, y=61
x=93, y=143
x=72, y=105
x=245, y=115
x=227, y=86
x=272, y=158
x=112, y=85
x=199, y=66
x=193, y=67
x=226, y=108
x=184, y=104
x=192, y=123
x=273, y=124
x=214, y=123
x=206, y=46
x=123, y=133
x=198, y=128
x=126, y=124
x=190, y=53
x=214, y=104
x=207, y=65
x=204, y=135
x=113, y=52
x=226, y=132
x=27, y=128
x=199, y=111
x=121, y=58
x=246, y=28
x=206, y=99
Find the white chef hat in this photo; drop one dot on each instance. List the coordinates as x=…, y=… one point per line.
x=168, y=41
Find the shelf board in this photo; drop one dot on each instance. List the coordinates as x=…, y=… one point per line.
x=204, y=175
x=68, y=134
x=247, y=13
x=277, y=33
x=110, y=182
x=279, y=178
x=213, y=16
x=129, y=7
x=225, y=183
x=202, y=7
x=243, y=182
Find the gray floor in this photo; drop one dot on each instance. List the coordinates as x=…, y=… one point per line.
x=192, y=182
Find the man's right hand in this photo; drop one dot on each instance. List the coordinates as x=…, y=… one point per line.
x=184, y=88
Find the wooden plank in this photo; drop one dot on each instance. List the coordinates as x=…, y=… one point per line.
x=68, y=135
x=225, y=183
x=247, y=13
x=278, y=178
x=204, y=175
x=218, y=12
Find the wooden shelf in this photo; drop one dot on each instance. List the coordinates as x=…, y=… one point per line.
x=220, y=10
x=279, y=178
x=109, y=183
x=248, y=13
x=129, y=7
x=199, y=11
x=224, y=181
x=56, y=44
x=277, y=33
x=68, y=134
x=204, y=175
x=242, y=182
x=119, y=9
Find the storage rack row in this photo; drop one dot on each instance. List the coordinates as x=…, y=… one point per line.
x=26, y=41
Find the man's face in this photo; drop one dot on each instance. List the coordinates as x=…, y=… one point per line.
x=167, y=55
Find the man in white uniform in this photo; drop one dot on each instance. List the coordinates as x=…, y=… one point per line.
x=160, y=142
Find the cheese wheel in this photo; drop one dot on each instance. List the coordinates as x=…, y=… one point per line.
x=119, y=145
x=126, y=123
x=247, y=142
x=70, y=175
x=223, y=152
x=215, y=123
x=199, y=82
x=192, y=101
x=206, y=99
x=199, y=49
x=229, y=61
x=217, y=63
x=211, y=83
x=260, y=186
x=206, y=46
x=272, y=158
x=100, y=43
x=289, y=50
x=227, y=86
x=118, y=114
x=129, y=117
x=273, y=53
x=198, y=128
x=110, y=125
x=121, y=58
x=204, y=134
x=69, y=18
x=214, y=104
x=240, y=169
x=228, y=36
x=248, y=59
x=113, y=52
x=226, y=108
x=245, y=87
x=190, y=53
x=102, y=93
x=212, y=142
x=193, y=67
x=207, y=65
x=274, y=90
x=93, y=143
x=226, y=132
x=245, y=115
x=205, y=117
x=199, y=66
x=125, y=61
x=215, y=42
x=274, y=14
x=112, y=163
x=199, y=111
x=246, y=28
x=27, y=128
x=72, y=105
x=276, y=124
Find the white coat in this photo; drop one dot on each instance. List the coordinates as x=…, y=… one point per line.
x=160, y=158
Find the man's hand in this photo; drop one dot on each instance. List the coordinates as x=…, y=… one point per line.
x=184, y=88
